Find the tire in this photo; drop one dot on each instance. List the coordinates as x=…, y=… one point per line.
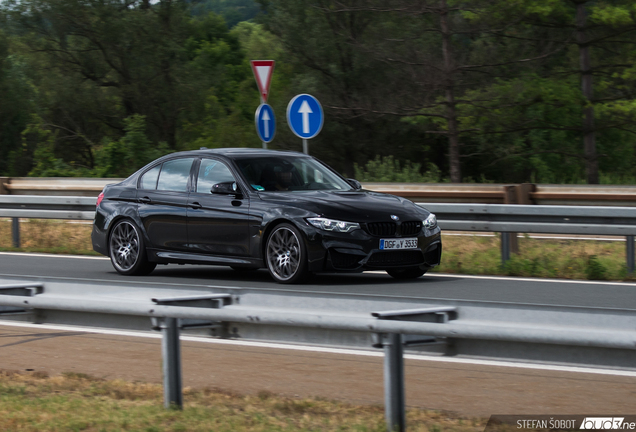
x=406, y=273
x=127, y=250
x=285, y=255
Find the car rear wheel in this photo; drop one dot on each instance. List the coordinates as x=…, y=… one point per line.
x=127, y=251
x=406, y=273
x=285, y=255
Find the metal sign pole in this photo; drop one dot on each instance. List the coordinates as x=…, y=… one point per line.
x=305, y=147
x=264, y=143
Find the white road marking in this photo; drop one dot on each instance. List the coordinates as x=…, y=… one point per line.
x=539, y=237
x=43, y=255
x=449, y=275
x=344, y=351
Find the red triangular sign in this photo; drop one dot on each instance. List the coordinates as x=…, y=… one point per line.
x=263, y=70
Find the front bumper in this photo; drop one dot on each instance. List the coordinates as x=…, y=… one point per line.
x=358, y=251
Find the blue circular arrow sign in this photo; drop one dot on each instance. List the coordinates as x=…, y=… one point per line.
x=304, y=116
x=265, y=122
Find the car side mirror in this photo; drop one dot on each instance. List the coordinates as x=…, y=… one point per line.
x=226, y=188
x=355, y=184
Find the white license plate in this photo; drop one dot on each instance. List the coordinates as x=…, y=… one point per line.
x=404, y=243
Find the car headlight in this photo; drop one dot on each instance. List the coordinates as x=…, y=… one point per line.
x=333, y=225
x=430, y=222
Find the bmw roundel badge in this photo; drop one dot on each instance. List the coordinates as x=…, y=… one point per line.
x=395, y=218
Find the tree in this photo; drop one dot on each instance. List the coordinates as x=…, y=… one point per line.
x=421, y=54
x=102, y=62
x=17, y=103
x=583, y=93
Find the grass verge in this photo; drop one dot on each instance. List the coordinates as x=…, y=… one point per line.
x=572, y=259
x=546, y=258
x=78, y=402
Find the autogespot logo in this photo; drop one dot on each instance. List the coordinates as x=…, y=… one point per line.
x=605, y=423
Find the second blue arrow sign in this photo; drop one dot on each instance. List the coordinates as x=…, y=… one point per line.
x=304, y=116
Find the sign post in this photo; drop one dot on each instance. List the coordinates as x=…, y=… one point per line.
x=305, y=118
x=263, y=70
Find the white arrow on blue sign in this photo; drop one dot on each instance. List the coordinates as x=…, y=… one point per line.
x=265, y=122
x=304, y=116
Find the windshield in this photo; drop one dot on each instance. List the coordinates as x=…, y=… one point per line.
x=289, y=173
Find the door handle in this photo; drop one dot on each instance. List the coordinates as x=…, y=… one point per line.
x=195, y=205
x=144, y=200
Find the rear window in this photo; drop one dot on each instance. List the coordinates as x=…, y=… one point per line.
x=174, y=175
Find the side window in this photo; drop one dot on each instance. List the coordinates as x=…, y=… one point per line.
x=149, y=179
x=212, y=172
x=174, y=175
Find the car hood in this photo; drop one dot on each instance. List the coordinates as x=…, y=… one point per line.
x=354, y=206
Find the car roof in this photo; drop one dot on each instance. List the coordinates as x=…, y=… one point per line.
x=242, y=151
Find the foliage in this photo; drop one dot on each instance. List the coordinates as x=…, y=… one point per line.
x=388, y=169
x=123, y=157
x=480, y=89
x=595, y=269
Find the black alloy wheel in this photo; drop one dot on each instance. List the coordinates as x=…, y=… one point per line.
x=406, y=273
x=285, y=255
x=127, y=251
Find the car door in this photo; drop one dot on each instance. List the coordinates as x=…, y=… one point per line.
x=217, y=222
x=163, y=197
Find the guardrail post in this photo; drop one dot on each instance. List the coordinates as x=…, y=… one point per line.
x=505, y=247
x=171, y=356
x=394, y=400
x=15, y=231
x=629, y=249
x=393, y=345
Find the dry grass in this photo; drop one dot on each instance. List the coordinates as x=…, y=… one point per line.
x=41, y=235
x=74, y=402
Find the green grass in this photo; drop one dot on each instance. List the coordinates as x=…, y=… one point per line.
x=34, y=402
x=571, y=259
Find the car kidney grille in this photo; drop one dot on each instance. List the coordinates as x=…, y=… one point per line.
x=381, y=229
x=386, y=229
x=410, y=228
x=395, y=258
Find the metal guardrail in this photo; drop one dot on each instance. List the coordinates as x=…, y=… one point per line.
x=590, y=220
x=44, y=207
x=390, y=327
x=500, y=218
x=485, y=193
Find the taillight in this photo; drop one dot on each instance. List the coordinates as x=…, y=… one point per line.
x=100, y=197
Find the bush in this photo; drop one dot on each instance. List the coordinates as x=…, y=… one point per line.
x=388, y=169
x=595, y=269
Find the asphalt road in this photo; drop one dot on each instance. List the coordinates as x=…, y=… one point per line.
x=469, y=389
x=431, y=286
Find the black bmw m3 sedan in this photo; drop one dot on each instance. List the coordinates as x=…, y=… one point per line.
x=252, y=208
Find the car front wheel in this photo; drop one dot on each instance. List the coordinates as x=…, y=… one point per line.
x=285, y=255
x=127, y=251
